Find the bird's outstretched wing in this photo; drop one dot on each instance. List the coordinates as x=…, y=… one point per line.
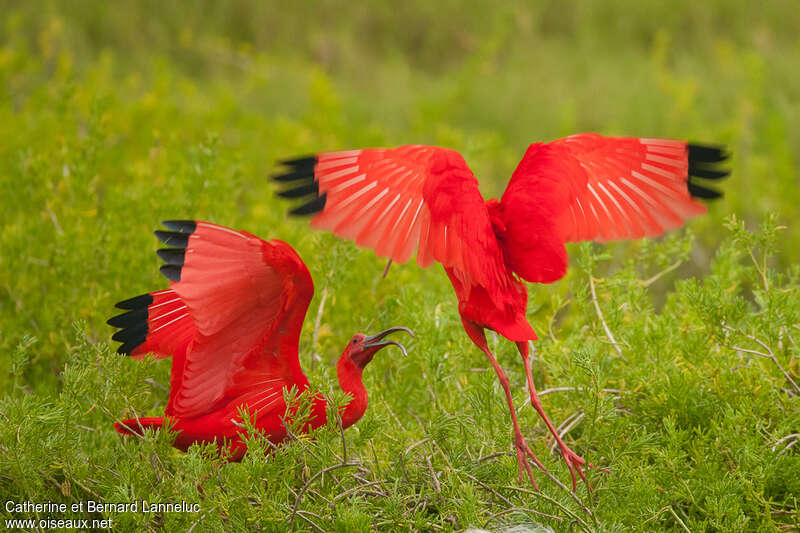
x=401, y=200
x=247, y=298
x=591, y=187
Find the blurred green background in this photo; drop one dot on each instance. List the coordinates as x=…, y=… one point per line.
x=108, y=108
x=116, y=115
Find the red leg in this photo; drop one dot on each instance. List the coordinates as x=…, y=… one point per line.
x=521, y=445
x=573, y=460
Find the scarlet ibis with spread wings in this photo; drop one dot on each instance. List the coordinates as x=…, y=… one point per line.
x=426, y=199
x=231, y=322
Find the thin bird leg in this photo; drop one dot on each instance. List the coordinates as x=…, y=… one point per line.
x=573, y=460
x=479, y=338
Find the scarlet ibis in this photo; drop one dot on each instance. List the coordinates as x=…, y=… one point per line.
x=425, y=198
x=231, y=321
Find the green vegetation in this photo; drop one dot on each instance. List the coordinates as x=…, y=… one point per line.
x=115, y=116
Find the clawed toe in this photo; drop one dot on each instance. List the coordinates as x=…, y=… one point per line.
x=574, y=463
x=523, y=453
x=523, y=465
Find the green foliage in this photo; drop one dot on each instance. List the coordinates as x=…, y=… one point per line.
x=680, y=355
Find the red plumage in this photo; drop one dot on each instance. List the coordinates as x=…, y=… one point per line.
x=231, y=321
x=425, y=198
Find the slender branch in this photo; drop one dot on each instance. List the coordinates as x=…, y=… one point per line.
x=603, y=320
x=762, y=270
x=566, y=427
x=191, y=528
x=317, y=320
x=359, y=488
x=341, y=431
x=568, y=389
x=490, y=456
x=754, y=352
x=414, y=445
x=436, y=485
x=793, y=439
x=671, y=510
x=576, y=389
x=310, y=481
x=302, y=514
x=488, y=488
x=650, y=281
x=567, y=510
x=523, y=510
x=769, y=354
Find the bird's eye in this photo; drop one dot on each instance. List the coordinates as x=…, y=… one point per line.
x=355, y=340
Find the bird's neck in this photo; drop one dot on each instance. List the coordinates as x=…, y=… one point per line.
x=350, y=381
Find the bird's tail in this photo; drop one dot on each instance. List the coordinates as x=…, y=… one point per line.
x=136, y=426
x=157, y=322
x=518, y=330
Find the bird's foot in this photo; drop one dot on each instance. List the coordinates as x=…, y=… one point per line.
x=575, y=463
x=523, y=453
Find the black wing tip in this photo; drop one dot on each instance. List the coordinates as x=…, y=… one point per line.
x=698, y=191
x=172, y=256
x=704, y=163
x=130, y=343
x=301, y=169
x=708, y=173
x=172, y=238
x=299, y=161
x=133, y=324
x=294, y=175
x=302, y=190
x=707, y=153
x=131, y=318
x=181, y=226
x=143, y=300
x=125, y=349
x=171, y=272
x=178, y=240
x=314, y=206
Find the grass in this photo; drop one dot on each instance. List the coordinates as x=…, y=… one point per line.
x=114, y=119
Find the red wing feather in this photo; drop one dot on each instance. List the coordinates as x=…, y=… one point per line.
x=401, y=200
x=590, y=187
x=248, y=299
x=374, y=197
x=634, y=188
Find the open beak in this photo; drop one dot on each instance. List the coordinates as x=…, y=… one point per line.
x=375, y=341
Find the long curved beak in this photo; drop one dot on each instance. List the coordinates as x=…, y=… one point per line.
x=375, y=341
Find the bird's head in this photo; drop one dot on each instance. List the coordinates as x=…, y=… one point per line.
x=358, y=354
x=362, y=348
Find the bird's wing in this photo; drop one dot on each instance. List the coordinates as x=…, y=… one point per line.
x=247, y=298
x=591, y=187
x=399, y=200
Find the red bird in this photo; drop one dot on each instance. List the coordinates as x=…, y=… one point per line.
x=425, y=198
x=231, y=321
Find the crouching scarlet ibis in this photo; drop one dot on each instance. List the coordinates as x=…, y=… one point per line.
x=231, y=321
x=425, y=198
